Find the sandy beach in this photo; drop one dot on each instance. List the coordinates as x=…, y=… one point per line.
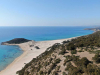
x=28, y=54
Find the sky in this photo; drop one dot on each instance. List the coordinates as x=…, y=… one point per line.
x=49, y=12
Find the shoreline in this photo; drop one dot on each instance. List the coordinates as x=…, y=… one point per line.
x=29, y=54
x=16, y=59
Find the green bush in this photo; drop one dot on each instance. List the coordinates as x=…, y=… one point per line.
x=62, y=52
x=71, y=46
x=80, y=51
x=64, y=73
x=73, y=51
x=57, y=60
x=41, y=72
x=96, y=58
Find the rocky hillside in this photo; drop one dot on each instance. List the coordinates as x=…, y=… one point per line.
x=80, y=56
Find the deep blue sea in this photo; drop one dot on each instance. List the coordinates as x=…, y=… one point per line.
x=9, y=53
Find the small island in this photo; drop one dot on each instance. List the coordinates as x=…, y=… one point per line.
x=15, y=41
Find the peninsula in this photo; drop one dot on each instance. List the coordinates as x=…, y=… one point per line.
x=94, y=29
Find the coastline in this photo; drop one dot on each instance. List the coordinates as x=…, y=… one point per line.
x=29, y=54
x=15, y=60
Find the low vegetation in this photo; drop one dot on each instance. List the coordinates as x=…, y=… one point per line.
x=63, y=59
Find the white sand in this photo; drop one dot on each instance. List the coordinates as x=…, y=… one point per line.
x=86, y=54
x=28, y=55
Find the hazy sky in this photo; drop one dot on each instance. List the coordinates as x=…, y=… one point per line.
x=49, y=12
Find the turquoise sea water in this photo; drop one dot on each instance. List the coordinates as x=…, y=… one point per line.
x=9, y=53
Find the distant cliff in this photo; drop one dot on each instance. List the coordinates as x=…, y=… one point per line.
x=94, y=29
x=15, y=41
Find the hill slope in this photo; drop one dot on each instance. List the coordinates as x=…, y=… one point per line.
x=68, y=58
